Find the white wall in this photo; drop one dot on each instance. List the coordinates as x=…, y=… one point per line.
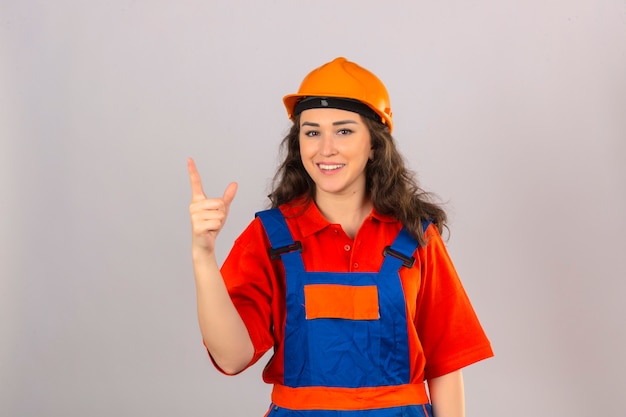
x=513, y=112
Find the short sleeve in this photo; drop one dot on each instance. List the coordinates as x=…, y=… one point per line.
x=249, y=275
x=449, y=330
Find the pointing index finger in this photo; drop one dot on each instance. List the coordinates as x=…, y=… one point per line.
x=197, y=193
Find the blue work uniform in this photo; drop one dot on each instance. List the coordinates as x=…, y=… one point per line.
x=345, y=361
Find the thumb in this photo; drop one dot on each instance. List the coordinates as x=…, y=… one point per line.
x=229, y=193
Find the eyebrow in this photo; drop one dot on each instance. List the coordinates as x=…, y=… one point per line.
x=338, y=123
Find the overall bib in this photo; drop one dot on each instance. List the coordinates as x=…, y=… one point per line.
x=346, y=351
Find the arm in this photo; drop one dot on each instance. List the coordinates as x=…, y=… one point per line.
x=447, y=395
x=223, y=331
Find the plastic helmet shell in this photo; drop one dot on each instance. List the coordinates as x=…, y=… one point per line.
x=345, y=79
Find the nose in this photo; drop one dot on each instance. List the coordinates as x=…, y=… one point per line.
x=327, y=145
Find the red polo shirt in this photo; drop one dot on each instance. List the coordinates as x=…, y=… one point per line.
x=444, y=332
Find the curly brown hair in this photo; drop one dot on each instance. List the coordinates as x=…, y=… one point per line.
x=391, y=186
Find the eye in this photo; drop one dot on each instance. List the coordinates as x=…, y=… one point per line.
x=344, y=131
x=310, y=133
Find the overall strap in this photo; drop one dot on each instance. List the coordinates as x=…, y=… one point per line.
x=281, y=240
x=400, y=252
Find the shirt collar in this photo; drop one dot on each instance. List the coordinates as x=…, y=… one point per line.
x=309, y=220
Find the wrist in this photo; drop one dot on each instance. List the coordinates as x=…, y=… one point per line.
x=202, y=254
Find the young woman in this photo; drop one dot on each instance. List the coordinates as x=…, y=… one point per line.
x=346, y=278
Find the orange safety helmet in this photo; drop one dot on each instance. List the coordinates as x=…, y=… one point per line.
x=343, y=79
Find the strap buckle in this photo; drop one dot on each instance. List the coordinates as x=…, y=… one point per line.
x=276, y=252
x=406, y=261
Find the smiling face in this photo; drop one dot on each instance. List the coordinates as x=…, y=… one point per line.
x=335, y=146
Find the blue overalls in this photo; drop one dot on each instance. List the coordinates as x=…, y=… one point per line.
x=344, y=366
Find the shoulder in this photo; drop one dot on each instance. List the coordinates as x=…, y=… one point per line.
x=252, y=239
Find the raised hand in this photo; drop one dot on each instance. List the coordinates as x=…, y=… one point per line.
x=223, y=331
x=208, y=215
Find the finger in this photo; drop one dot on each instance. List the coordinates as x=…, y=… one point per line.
x=201, y=227
x=197, y=193
x=229, y=194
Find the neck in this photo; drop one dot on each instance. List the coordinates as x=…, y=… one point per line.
x=349, y=211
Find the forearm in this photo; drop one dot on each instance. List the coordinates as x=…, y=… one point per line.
x=223, y=331
x=447, y=395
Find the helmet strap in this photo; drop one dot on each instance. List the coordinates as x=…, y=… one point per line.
x=340, y=103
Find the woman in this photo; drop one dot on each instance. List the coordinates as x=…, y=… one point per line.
x=346, y=277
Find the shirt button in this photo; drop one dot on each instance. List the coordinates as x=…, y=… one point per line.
x=356, y=265
x=346, y=248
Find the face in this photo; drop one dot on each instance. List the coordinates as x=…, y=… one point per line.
x=335, y=146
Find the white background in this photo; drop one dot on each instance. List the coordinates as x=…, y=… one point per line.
x=513, y=112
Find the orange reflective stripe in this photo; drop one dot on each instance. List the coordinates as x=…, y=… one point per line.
x=341, y=302
x=331, y=398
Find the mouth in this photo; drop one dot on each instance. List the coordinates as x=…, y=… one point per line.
x=330, y=167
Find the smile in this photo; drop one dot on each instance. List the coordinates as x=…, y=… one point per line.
x=330, y=167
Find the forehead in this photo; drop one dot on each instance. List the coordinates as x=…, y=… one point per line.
x=328, y=115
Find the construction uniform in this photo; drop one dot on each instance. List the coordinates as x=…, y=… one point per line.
x=357, y=325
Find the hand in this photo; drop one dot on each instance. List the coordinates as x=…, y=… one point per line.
x=208, y=215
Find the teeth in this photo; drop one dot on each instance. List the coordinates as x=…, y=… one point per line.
x=330, y=167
